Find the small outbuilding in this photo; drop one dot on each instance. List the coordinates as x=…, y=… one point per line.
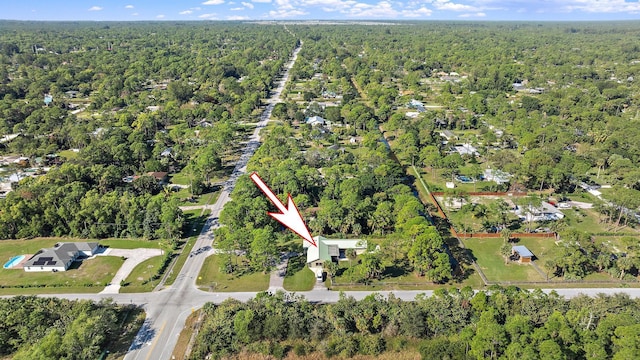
x=524, y=255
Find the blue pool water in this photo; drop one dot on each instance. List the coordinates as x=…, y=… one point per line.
x=13, y=261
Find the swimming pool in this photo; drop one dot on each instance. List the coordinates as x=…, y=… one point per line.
x=13, y=261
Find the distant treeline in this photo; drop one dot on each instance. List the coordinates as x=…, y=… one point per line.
x=504, y=323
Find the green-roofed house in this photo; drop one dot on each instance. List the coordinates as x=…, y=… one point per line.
x=330, y=249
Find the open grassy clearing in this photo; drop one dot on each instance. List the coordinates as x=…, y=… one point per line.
x=212, y=279
x=69, y=154
x=299, y=277
x=187, y=200
x=138, y=280
x=93, y=273
x=487, y=254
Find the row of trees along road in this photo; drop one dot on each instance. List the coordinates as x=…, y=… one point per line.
x=503, y=323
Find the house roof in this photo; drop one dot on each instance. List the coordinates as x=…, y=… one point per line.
x=315, y=120
x=330, y=247
x=522, y=251
x=159, y=175
x=60, y=254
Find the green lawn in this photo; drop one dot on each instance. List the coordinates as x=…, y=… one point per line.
x=542, y=248
x=487, y=254
x=141, y=274
x=69, y=154
x=130, y=244
x=206, y=198
x=211, y=278
x=180, y=178
x=584, y=220
x=93, y=273
x=299, y=277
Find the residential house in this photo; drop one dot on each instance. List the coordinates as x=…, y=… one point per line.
x=316, y=121
x=332, y=250
x=466, y=149
x=168, y=152
x=161, y=176
x=497, y=176
x=71, y=94
x=415, y=104
x=60, y=257
x=448, y=134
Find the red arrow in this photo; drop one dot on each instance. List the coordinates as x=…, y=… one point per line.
x=289, y=216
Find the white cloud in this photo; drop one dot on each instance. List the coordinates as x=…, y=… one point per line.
x=186, y=12
x=247, y=5
x=161, y=16
x=237, y=18
x=478, y=14
x=213, y=2
x=128, y=7
x=286, y=13
x=601, y=6
x=207, y=16
x=383, y=9
x=134, y=14
x=284, y=5
x=416, y=13
x=237, y=9
x=446, y=5
x=330, y=5
x=95, y=8
x=261, y=1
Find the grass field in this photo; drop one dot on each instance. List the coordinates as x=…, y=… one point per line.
x=97, y=272
x=487, y=254
x=141, y=273
x=69, y=154
x=299, y=277
x=211, y=278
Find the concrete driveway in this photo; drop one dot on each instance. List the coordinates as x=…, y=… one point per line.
x=134, y=257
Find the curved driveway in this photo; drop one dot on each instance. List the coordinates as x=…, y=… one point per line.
x=134, y=257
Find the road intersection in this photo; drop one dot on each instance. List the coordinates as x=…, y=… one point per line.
x=168, y=309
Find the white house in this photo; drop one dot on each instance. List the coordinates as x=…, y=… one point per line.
x=330, y=249
x=60, y=257
x=316, y=121
x=466, y=149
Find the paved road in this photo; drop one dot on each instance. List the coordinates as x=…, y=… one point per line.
x=167, y=310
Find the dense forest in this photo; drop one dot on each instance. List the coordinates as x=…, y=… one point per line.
x=127, y=100
x=504, y=323
x=48, y=328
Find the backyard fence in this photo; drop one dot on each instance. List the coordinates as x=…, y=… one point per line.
x=484, y=193
x=513, y=235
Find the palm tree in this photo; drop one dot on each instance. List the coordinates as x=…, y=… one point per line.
x=351, y=255
x=505, y=251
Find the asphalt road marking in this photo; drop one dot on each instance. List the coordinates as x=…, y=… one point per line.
x=155, y=342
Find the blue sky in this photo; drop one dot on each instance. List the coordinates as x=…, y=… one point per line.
x=320, y=9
